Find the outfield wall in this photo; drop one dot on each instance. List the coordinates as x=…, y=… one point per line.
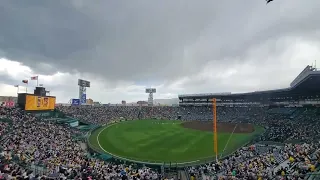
x=94, y=145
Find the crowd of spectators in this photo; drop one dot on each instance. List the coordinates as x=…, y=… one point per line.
x=264, y=162
x=279, y=122
x=3, y=128
x=36, y=142
x=285, y=125
x=104, y=114
x=296, y=128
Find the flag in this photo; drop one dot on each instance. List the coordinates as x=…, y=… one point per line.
x=25, y=81
x=16, y=85
x=34, y=78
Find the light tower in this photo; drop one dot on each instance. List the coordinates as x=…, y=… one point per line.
x=150, y=91
x=83, y=84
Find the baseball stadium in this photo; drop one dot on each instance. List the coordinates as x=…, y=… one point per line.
x=255, y=135
x=184, y=140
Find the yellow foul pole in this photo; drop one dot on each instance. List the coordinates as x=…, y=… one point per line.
x=214, y=123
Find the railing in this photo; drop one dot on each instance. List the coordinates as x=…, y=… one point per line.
x=186, y=173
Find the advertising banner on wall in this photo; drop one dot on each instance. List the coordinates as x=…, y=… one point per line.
x=75, y=102
x=9, y=104
x=83, y=99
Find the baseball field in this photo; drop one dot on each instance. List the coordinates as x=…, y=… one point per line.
x=158, y=141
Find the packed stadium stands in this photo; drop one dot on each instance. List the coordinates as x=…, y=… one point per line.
x=50, y=152
x=34, y=148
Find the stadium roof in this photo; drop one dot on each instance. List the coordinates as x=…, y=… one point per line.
x=308, y=82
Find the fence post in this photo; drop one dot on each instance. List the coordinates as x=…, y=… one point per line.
x=162, y=170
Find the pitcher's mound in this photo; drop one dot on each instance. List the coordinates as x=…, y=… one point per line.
x=221, y=126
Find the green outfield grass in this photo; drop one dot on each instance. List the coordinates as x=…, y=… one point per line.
x=162, y=141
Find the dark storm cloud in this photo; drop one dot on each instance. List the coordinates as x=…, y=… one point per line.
x=5, y=79
x=130, y=40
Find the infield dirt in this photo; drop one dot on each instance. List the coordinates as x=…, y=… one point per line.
x=224, y=127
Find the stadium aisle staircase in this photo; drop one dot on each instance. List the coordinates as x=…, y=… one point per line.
x=278, y=158
x=284, y=164
x=183, y=175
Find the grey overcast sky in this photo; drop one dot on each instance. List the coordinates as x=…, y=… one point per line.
x=176, y=46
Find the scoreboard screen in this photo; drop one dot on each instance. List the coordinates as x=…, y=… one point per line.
x=34, y=103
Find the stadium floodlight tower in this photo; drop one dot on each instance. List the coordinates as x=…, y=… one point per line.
x=83, y=84
x=150, y=91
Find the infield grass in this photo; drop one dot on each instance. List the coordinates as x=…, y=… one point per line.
x=163, y=141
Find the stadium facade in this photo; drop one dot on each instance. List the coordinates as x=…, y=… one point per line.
x=304, y=90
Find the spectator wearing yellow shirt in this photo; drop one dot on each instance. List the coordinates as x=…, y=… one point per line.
x=291, y=159
x=312, y=168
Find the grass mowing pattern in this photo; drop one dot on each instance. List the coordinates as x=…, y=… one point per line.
x=163, y=141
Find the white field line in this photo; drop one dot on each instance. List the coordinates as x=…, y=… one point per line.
x=200, y=159
x=187, y=162
x=225, y=147
x=232, y=151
